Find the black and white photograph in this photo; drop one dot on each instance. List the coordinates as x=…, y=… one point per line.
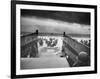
x=54, y=39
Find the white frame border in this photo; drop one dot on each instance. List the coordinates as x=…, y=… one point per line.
x=55, y=70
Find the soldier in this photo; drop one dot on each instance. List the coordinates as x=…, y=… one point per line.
x=82, y=60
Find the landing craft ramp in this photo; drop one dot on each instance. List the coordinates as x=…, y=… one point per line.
x=33, y=58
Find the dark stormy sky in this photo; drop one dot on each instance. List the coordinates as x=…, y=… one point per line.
x=78, y=17
x=55, y=21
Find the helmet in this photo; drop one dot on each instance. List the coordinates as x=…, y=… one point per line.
x=83, y=56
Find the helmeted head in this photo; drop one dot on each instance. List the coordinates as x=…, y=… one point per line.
x=83, y=56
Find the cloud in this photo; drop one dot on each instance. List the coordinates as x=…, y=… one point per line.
x=30, y=24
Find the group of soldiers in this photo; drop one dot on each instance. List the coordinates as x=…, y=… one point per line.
x=50, y=43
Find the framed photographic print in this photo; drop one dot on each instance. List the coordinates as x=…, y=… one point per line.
x=52, y=39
